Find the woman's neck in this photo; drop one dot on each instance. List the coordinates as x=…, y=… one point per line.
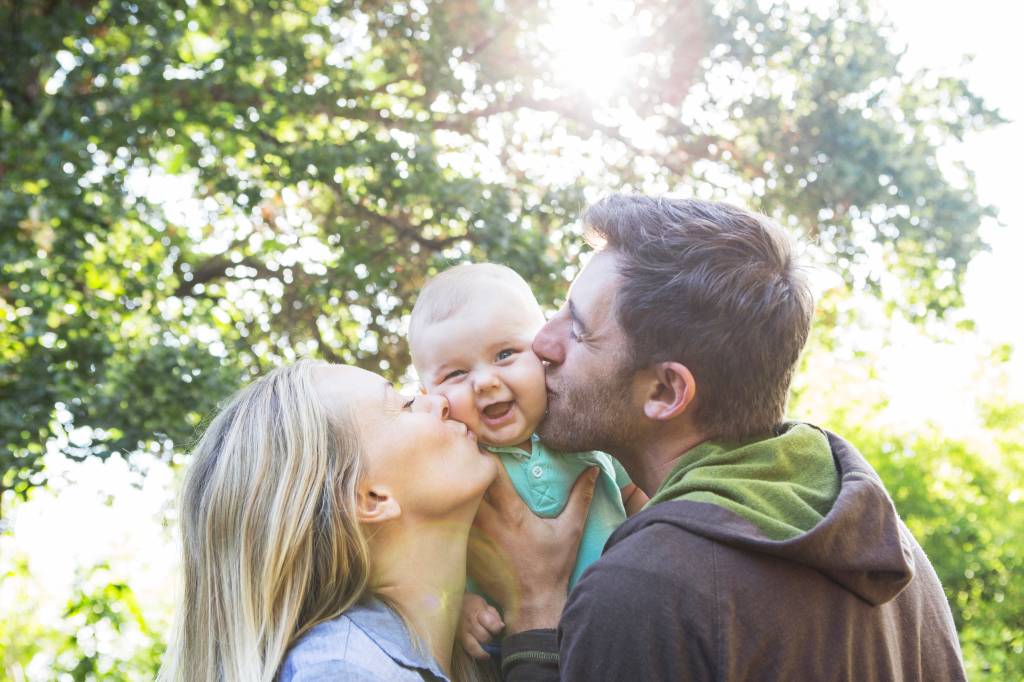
x=421, y=569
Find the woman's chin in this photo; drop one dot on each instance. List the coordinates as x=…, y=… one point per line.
x=488, y=474
x=466, y=496
x=492, y=468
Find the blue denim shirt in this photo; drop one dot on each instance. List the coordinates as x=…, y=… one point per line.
x=367, y=643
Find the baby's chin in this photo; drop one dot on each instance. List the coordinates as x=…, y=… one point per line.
x=519, y=439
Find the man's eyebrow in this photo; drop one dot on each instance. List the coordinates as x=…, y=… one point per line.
x=574, y=314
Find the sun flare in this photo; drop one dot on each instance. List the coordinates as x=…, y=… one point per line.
x=588, y=47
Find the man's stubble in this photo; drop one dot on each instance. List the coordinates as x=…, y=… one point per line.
x=592, y=412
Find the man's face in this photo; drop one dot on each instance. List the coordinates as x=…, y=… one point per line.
x=589, y=378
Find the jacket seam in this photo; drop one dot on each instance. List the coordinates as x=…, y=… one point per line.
x=719, y=644
x=512, y=659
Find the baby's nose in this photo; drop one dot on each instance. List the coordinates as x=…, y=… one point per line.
x=485, y=381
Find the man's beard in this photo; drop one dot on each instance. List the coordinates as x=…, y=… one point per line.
x=592, y=414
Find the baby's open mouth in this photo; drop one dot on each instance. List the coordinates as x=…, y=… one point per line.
x=498, y=410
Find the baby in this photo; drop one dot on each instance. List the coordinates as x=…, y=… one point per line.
x=470, y=336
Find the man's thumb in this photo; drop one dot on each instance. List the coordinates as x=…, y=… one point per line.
x=583, y=493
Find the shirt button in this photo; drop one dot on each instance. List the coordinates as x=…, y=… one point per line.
x=537, y=471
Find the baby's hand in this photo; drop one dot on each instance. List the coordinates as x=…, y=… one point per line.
x=479, y=624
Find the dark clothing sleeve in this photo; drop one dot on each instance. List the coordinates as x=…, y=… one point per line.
x=629, y=618
x=530, y=656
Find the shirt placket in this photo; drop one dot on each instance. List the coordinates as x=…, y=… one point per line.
x=540, y=485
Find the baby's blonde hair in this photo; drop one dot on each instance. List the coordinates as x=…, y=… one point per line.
x=449, y=291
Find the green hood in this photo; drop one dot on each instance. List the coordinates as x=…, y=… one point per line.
x=783, y=485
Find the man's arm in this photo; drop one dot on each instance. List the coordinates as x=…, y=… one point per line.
x=524, y=562
x=646, y=610
x=619, y=625
x=530, y=656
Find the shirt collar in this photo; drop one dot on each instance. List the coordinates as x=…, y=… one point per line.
x=516, y=452
x=388, y=631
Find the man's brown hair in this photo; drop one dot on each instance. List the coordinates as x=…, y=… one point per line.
x=716, y=288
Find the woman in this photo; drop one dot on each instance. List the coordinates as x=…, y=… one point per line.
x=324, y=518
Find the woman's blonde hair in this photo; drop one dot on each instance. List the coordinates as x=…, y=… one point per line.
x=271, y=544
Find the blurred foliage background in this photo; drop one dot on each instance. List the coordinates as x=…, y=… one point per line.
x=194, y=192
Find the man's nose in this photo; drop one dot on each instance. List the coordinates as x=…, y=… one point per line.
x=546, y=343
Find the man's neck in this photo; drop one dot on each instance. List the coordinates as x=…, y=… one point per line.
x=422, y=571
x=650, y=463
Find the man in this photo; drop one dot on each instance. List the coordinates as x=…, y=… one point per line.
x=770, y=550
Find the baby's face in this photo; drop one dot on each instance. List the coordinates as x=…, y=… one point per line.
x=480, y=359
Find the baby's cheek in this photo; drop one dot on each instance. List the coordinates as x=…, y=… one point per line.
x=533, y=387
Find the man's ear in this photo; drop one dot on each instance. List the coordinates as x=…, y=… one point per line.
x=375, y=504
x=672, y=390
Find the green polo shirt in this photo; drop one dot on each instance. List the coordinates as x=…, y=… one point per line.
x=544, y=478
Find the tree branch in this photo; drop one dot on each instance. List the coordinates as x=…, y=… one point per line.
x=216, y=268
x=325, y=350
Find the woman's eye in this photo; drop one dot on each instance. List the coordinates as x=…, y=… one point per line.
x=505, y=354
x=452, y=374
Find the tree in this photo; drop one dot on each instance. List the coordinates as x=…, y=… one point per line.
x=960, y=497
x=341, y=152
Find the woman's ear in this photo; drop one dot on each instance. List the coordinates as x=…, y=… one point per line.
x=376, y=505
x=671, y=392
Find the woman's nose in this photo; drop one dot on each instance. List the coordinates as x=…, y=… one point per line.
x=437, y=405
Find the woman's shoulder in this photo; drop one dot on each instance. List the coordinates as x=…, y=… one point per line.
x=332, y=648
x=367, y=642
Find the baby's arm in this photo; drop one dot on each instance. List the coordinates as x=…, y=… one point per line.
x=478, y=625
x=633, y=499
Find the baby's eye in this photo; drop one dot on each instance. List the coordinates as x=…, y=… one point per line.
x=452, y=374
x=505, y=354
x=407, y=405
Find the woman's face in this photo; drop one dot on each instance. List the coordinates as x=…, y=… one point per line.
x=427, y=463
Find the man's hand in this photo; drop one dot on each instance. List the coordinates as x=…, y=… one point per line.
x=524, y=561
